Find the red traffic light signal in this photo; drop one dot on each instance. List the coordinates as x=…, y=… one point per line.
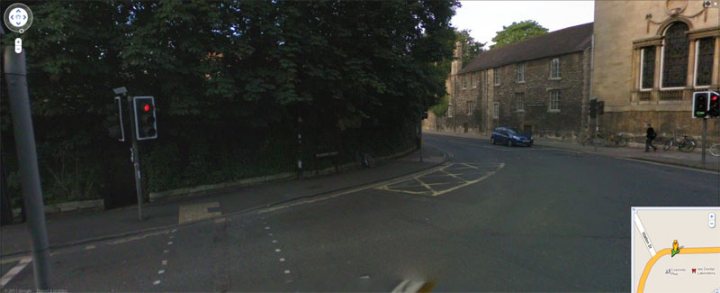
x=147, y=108
x=145, y=120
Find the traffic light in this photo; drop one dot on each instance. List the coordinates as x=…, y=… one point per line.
x=116, y=122
x=145, y=119
x=593, y=108
x=700, y=104
x=714, y=107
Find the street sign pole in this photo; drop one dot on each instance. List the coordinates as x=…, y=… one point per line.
x=16, y=76
x=135, y=157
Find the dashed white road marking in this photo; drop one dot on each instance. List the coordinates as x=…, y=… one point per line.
x=166, y=251
x=267, y=227
x=14, y=271
x=274, y=241
x=160, y=272
x=89, y=247
x=157, y=282
x=173, y=230
x=282, y=259
x=170, y=242
x=277, y=250
x=164, y=262
x=287, y=272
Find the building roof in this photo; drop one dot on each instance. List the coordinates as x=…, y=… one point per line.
x=568, y=40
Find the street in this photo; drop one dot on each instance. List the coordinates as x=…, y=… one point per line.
x=491, y=218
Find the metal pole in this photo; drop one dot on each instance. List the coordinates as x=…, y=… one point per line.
x=15, y=73
x=597, y=131
x=704, y=140
x=136, y=158
x=420, y=143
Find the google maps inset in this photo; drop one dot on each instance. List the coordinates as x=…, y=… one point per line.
x=675, y=249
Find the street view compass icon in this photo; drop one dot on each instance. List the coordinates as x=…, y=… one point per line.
x=18, y=17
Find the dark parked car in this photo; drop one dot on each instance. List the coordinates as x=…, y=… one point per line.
x=510, y=137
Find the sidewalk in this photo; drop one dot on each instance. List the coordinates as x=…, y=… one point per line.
x=84, y=227
x=672, y=157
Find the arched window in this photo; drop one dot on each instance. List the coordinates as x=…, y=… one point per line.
x=675, y=55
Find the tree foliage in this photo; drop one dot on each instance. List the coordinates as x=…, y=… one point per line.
x=518, y=31
x=233, y=74
x=471, y=47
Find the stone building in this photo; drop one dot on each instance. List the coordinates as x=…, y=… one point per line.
x=649, y=56
x=540, y=85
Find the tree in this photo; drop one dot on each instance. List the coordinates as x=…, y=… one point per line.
x=518, y=31
x=471, y=47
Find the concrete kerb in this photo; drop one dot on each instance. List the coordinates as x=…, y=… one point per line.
x=251, y=210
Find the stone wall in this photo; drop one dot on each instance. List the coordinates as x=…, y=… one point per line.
x=536, y=115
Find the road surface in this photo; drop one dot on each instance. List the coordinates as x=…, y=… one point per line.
x=493, y=218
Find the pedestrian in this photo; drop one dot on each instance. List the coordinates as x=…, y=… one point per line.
x=650, y=135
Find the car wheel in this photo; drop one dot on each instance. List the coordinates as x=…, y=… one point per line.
x=509, y=143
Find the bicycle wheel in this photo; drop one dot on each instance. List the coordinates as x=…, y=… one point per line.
x=715, y=150
x=668, y=145
x=687, y=146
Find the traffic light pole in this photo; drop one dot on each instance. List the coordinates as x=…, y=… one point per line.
x=16, y=76
x=704, y=140
x=135, y=157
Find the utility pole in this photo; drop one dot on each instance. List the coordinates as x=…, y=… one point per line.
x=135, y=153
x=16, y=76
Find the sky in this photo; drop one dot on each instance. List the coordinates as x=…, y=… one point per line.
x=485, y=18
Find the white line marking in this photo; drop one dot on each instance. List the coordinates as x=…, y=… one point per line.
x=166, y=251
x=160, y=272
x=282, y=259
x=424, y=185
x=173, y=230
x=157, y=282
x=277, y=250
x=170, y=242
x=267, y=227
x=471, y=166
x=643, y=234
x=287, y=272
x=164, y=262
x=89, y=247
x=274, y=241
x=14, y=271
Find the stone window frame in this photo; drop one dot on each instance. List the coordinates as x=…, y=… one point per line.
x=662, y=56
x=695, y=65
x=520, y=73
x=496, y=76
x=473, y=80
x=554, y=94
x=463, y=81
x=555, y=69
x=496, y=110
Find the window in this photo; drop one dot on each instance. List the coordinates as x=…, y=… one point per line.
x=647, y=67
x=704, y=61
x=520, y=102
x=472, y=80
x=475, y=80
x=464, y=81
x=675, y=56
x=496, y=75
x=496, y=110
x=520, y=72
x=554, y=104
x=555, y=68
x=470, y=107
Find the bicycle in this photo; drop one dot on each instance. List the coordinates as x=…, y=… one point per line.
x=612, y=140
x=686, y=144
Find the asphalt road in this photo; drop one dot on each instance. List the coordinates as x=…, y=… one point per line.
x=493, y=218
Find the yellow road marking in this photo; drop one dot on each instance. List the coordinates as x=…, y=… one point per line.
x=666, y=251
x=424, y=184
